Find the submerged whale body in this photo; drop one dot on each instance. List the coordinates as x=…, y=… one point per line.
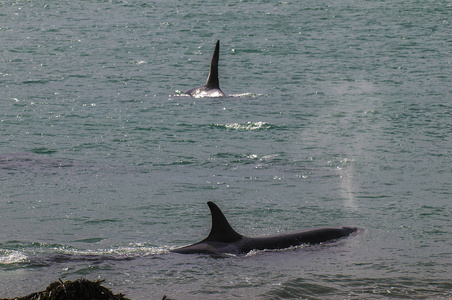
x=223, y=239
x=212, y=86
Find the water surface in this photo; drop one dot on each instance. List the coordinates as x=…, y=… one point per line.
x=342, y=116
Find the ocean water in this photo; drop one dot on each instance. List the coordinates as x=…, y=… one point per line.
x=341, y=114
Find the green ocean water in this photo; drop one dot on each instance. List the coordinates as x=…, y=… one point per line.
x=340, y=114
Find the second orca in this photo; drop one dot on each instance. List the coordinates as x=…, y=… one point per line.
x=212, y=86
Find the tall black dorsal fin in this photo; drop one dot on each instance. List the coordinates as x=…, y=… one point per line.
x=212, y=80
x=221, y=230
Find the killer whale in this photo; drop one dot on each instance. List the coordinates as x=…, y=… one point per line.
x=212, y=86
x=223, y=239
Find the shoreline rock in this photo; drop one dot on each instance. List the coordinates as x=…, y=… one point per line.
x=75, y=290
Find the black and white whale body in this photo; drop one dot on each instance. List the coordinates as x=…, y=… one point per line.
x=212, y=86
x=223, y=239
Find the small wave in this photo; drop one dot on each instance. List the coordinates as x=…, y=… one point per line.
x=43, y=150
x=245, y=126
x=291, y=248
x=266, y=157
x=137, y=62
x=202, y=94
x=133, y=250
x=12, y=257
x=178, y=93
x=253, y=95
x=46, y=255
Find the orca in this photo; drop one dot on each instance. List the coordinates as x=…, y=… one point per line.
x=212, y=86
x=223, y=239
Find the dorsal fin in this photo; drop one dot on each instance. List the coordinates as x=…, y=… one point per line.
x=221, y=231
x=212, y=80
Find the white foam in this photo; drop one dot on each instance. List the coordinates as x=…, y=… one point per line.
x=13, y=257
x=134, y=250
x=247, y=125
